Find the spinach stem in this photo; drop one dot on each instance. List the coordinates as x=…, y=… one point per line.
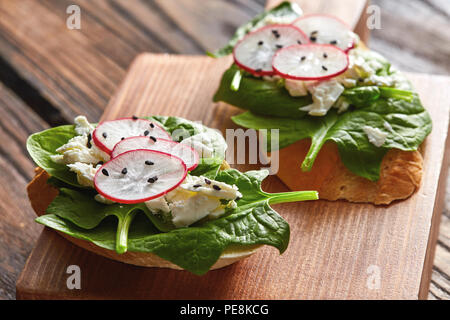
x=293, y=196
x=122, y=232
x=236, y=82
x=387, y=92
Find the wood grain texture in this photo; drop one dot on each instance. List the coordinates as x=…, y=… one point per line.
x=53, y=66
x=332, y=243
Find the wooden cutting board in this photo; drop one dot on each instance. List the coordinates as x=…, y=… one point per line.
x=337, y=250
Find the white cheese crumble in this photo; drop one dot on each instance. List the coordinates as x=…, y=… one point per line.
x=85, y=173
x=375, y=135
x=77, y=149
x=324, y=95
x=102, y=199
x=194, y=199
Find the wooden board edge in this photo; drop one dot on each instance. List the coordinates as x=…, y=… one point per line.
x=424, y=287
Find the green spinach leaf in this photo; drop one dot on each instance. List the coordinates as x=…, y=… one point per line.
x=406, y=124
x=260, y=96
x=194, y=248
x=43, y=144
x=81, y=209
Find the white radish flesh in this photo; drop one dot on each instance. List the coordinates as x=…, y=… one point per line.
x=325, y=29
x=254, y=53
x=310, y=62
x=182, y=151
x=109, y=133
x=139, y=175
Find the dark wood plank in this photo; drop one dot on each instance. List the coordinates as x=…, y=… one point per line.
x=18, y=230
x=414, y=34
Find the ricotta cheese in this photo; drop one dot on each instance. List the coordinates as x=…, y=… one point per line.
x=375, y=135
x=324, y=95
x=194, y=199
x=85, y=173
x=80, y=148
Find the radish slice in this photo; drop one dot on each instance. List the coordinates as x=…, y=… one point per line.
x=254, y=53
x=109, y=133
x=325, y=29
x=182, y=151
x=139, y=175
x=310, y=62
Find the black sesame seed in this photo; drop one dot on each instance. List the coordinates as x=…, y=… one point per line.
x=146, y=132
x=153, y=138
x=152, y=125
x=152, y=180
x=104, y=134
x=279, y=46
x=325, y=55
x=333, y=42
x=134, y=117
x=197, y=185
x=149, y=163
x=124, y=171
x=275, y=32
x=277, y=35
x=215, y=187
x=105, y=172
x=299, y=42
x=314, y=32
x=303, y=58
x=100, y=163
x=207, y=181
x=122, y=138
x=260, y=43
x=89, y=138
x=313, y=39
x=324, y=68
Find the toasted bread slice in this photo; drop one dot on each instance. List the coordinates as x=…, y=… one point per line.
x=400, y=175
x=41, y=194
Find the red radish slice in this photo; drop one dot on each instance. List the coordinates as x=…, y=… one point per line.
x=139, y=175
x=109, y=133
x=325, y=29
x=182, y=151
x=254, y=53
x=310, y=62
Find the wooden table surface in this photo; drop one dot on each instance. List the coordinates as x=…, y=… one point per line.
x=49, y=74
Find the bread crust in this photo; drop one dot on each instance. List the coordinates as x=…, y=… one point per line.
x=41, y=194
x=400, y=175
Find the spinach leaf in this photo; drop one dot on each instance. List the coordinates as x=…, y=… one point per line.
x=287, y=11
x=43, y=144
x=260, y=96
x=208, y=167
x=405, y=122
x=81, y=209
x=198, y=247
